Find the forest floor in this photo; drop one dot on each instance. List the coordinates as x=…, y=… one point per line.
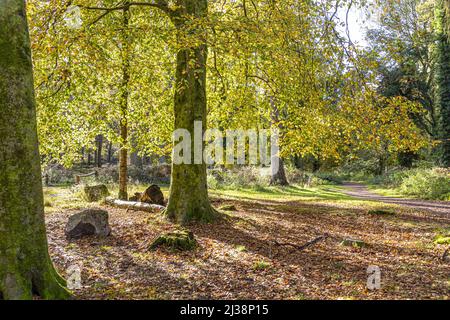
x=248, y=254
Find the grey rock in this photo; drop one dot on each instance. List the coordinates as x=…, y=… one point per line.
x=96, y=193
x=89, y=222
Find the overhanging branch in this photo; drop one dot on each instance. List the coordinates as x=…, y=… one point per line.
x=159, y=4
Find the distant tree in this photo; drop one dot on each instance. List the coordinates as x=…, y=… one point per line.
x=25, y=265
x=442, y=83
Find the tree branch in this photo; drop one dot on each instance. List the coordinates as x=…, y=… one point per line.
x=159, y=4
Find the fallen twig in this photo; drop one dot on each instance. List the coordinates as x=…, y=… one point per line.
x=306, y=245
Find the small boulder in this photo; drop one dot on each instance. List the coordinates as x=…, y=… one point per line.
x=96, y=193
x=89, y=222
x=153, y=195
x=177, y=240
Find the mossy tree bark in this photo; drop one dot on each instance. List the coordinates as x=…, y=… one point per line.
x=25, y=265
x=188, y=200
x=278, y=175
x=443, y=75
x=123, y=153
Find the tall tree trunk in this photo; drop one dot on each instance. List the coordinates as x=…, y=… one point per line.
x=109, y=152
x=98, y=157
x=25, y=265
x=188, y=200
x=89, y=161
x=443, y=76
x=123, y=153
x=278, y=177
x=316, y=164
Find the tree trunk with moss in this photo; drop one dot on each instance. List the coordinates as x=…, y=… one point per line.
x=278, y=172
x=25, y=265
x=443, y=75
x=123, y=153
x=188, y=200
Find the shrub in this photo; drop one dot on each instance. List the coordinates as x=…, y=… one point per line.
x=250, y=177
x=306, y=179
x=426, y=184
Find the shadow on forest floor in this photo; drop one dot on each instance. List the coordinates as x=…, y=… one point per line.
x=240, y=257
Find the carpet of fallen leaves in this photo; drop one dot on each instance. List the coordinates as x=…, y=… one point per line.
x=240, y=257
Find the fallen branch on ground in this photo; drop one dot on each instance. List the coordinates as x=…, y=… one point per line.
x=136, y=206
x=306, y=245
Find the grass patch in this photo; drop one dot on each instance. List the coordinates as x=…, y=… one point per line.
x=442, y=237
x=240, y=248
x=291, y=193
x=261, y=265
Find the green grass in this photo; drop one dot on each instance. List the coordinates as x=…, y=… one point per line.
x=382, y=191
x=63, y=198
x=442, y=237
x=261, y=265
x=70, y=198
x=291, y=193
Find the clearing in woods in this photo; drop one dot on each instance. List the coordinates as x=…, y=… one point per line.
x=254, y=253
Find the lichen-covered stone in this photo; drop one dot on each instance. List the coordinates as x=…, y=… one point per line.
x=177, y=240
x=88, y=223
x=95, y=193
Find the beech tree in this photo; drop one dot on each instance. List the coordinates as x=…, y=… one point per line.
x=442, y=82
x=188, y=199
x=25, y=265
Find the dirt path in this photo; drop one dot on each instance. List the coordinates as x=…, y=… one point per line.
x=360, y=191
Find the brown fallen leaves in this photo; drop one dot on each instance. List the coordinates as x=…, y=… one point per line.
x=238, y=257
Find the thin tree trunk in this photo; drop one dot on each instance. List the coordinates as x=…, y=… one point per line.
x=109, y=152
x=278, y=177
x=316, y=164
x=123, y=153
x=89, y=157
x=25, y=265
x=443, y=77
x=99, y=141
x=188, y=200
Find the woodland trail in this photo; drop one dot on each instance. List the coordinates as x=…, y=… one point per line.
x=360, y=191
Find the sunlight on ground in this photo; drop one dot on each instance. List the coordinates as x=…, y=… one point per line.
x=244, y=247
x=71, y=198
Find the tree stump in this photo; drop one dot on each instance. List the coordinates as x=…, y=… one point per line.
x=177, y=240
